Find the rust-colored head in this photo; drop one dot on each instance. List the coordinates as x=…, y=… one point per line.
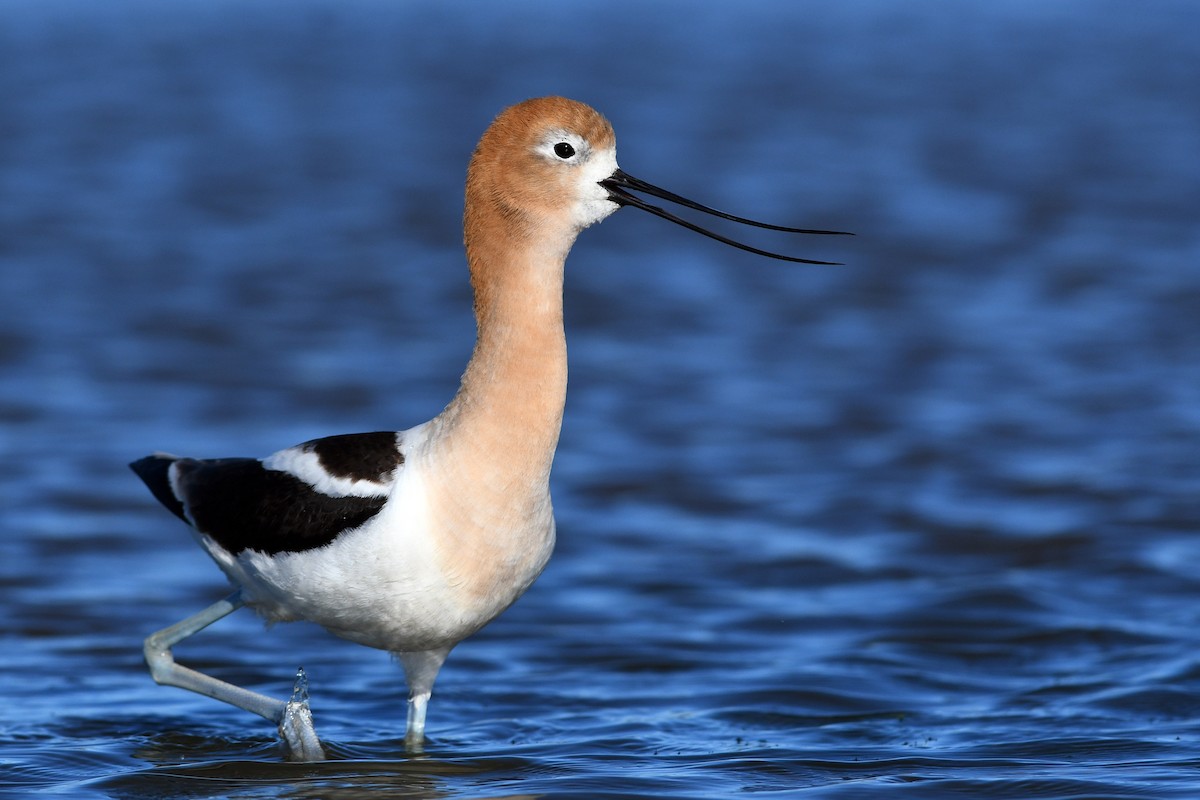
x=537, y=170
x=546, y=169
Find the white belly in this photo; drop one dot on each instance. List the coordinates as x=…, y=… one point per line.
x=386, y=584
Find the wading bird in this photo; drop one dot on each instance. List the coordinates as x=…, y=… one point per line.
x=411, y=541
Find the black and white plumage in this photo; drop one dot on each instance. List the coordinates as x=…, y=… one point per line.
x=338, y=531
x=296, y=500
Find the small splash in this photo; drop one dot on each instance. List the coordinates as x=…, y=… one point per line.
x=300, y=739
x=300, y=688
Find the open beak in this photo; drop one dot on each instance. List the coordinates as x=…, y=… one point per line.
x=620, y=183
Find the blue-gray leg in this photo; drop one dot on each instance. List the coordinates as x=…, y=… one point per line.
x=293, y=717
x=420, y=671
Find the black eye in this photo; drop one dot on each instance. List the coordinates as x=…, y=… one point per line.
x=563, y=150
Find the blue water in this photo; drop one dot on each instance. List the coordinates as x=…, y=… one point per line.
x=924, y=525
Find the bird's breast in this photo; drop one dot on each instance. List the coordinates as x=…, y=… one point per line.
x=428, y=570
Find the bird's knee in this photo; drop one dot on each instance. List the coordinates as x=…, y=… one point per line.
x=158, y=658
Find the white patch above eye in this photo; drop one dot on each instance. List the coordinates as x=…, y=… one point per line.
x=549, y=148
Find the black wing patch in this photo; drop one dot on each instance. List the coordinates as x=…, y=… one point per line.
x=244, y=506
x=358, y=456
x=153, y=472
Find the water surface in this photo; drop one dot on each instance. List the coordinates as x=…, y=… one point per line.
x=923, y=525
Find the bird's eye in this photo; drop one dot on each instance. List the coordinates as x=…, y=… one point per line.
x=564, y=150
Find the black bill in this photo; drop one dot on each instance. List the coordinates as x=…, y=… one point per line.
x=619, y=185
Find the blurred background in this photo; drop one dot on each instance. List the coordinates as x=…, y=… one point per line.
x=924, y=523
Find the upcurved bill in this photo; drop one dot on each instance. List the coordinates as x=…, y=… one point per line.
x=620, y=184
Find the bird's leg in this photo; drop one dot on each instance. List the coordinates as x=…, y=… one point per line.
x=420, y=670
x=293, y=717
x=164, y=670
x=414, y=734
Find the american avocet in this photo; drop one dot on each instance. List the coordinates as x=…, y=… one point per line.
x=412, y=541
